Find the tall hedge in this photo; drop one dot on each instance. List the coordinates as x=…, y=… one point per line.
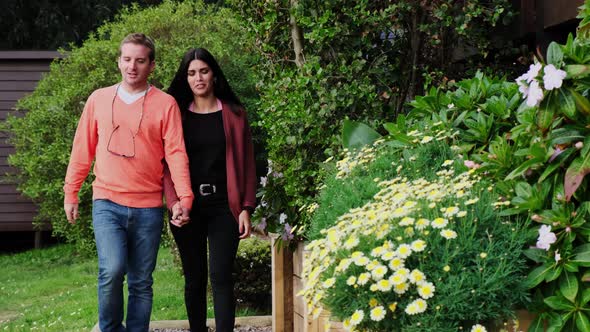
x=43, y=136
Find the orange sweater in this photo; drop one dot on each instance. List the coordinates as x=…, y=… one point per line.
x=134, y=182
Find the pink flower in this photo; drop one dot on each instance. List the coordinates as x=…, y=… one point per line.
x=262, y=225
x=288, y=235
x=579, y=145
x=546, y=237
x=557, y=256
x=471, y=164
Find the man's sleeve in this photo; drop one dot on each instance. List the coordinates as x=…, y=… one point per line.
x=83, y=152
x=169, y=192
x=175, y=155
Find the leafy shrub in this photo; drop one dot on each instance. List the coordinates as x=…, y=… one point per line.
x=470, y=116
x=252, y=274
x=548, y=177
x=360, y=60
x=340, y=194
x=428, y=252
x=43, y=137
x=302, y=116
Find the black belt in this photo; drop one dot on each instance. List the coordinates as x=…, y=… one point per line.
x=206, y=189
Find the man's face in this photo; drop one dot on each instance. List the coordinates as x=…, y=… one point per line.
x=135, y=66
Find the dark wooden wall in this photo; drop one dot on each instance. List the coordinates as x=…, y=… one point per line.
x=19, y=73
x=539, y=22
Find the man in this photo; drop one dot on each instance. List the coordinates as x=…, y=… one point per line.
x=131, y=128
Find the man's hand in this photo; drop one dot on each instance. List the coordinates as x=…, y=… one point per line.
x=180, y=215
x=71, y=212
x=245, y=226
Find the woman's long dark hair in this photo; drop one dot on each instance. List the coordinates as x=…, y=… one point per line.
x=181, y=91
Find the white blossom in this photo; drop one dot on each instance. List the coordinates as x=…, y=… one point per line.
x=282, y=218
x=523, y=87
x=546, y=237
x=533, y=72
x=525, y=81
x=535, y=94
x=553, y=77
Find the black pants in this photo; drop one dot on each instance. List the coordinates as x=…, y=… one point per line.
x=210, y=219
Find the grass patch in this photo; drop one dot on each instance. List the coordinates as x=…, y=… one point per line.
x=53, y=289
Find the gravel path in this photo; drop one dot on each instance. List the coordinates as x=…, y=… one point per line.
x=237, y=329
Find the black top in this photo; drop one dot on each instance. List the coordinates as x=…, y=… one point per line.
x=204, y=138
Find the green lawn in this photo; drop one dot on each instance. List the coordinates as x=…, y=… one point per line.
x=55, y=290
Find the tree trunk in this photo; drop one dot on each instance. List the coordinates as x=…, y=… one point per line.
x=296, y=36
x=415, y=45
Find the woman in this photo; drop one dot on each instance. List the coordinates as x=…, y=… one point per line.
x=223, y=176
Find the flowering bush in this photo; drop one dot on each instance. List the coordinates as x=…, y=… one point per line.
x=42, y=151
x=427, y=252
x=551, y=158
x=274, y=214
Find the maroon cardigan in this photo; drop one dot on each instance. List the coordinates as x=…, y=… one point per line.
x=239, y=160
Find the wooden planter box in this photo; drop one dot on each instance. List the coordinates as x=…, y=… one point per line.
x=290, y=312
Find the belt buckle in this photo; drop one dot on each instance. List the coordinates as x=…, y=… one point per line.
x=202, y=186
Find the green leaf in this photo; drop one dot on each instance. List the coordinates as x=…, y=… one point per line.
x=582, y=248
x=554, y=54
x=523, y=189
x=577, y=71
x=585, y=297
x=537, y=275
x=397, y=144
x=570, y=267
x=566, y=135
x=559, y=303
x=555, y=164
x=536, y=255
x=568, y=285
x=524, y=167
x=537, y=325
x=555, y=323
x=554, y=273
x=581, y=257
x=582, y=321
x=356, y=135
x=397, y=133
x=575, y=174
x=581, y=102
x=546, y=114
x=567, y=103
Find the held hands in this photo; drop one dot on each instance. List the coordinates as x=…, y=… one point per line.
x=71, y=212
x=245, y=226
x=180, y=215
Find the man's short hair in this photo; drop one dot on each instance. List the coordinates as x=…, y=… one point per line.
x=140, y=39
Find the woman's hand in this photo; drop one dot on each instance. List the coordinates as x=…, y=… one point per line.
x=180, y=215
x=245, y=226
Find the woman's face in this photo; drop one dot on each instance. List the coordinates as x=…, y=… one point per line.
x=200, y=78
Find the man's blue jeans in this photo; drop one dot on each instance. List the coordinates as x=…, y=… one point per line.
x=127, y=241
